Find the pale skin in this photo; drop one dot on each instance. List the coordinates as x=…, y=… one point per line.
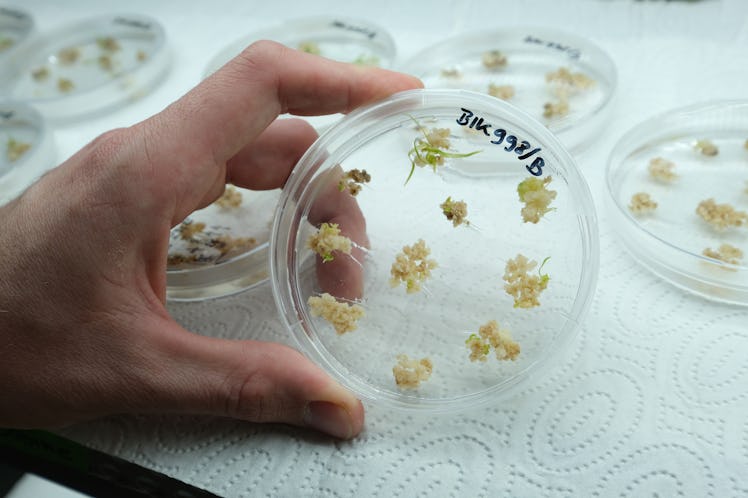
x=83, y=328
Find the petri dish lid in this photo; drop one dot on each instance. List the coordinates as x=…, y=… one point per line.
x=223, y=248
x=342, y=39
x=26, y=148
x=564, y=81
x=16, y=26
x=426, y=299
x=87, y=66
x=679, y=161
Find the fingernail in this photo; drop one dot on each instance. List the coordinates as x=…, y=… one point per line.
x=328, y=418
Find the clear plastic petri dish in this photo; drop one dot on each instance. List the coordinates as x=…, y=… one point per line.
x=678, y=197
x=471, y=234
x=343, y=39
x=356, y=41
x=564, y=81
x=222, y=249
x=16, y=26
x=86, y=67
x=26, y=148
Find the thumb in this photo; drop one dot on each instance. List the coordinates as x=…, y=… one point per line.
x=255, y=381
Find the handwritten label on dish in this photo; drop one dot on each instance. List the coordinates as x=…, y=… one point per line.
x=522, y=148
x=370, y=34
x=572, y=52
x=133, y=23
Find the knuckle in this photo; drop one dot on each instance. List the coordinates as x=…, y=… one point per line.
x=263, y=51
x=250, y=398
x=107, y=146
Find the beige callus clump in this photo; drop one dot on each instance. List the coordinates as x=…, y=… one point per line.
x=412, y=267
x=228, y=245
x=40, y=74
x=493, y=60
x=230, y=199
x=455, y=211
x=141, y=55
x=6, y=43
x=189, y=230
x=536, y=196
x=565, y=83
x=436, y=137
x=478, y=347
x=503, y=92
x=431, y=149
x=706, y=147
x=524, y=287
x=410, y=373
x=108, y=44
x=451, y=73
x=14, y=149
x=726, y=253
x=327, y=240
x=106, y=63
x=557, y=109
x=721, y=216
x=366, y=60
x=65, y=85
x=309, y=47
x=662, y=170
x=206, y=246
x=353, y=181
x=68, y=56
x=342, y=316
x=490, y=336
x=642, y=203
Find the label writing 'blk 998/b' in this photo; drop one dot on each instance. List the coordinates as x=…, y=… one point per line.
x=522, y=148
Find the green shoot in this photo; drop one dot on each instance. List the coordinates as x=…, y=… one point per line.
x=366, y=60
x=432, y=149
x=544, y=278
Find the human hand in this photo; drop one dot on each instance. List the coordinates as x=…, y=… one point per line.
x=83, y=327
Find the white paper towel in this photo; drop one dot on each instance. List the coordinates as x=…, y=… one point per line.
x=652, y=399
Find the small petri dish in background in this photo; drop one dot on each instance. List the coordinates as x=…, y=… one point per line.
x=678, y=197
x=222, y=249
x=354, y=41
x=563, y=81
x=86, y=67
x=16, y=26
x=471, y=234
x=26, y=148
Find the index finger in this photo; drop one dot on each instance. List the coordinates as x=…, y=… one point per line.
x=201, y=131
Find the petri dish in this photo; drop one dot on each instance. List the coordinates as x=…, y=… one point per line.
x=681, y=160
x=16, y=26
x=343, y=39
x=87, y=66
x=356, y=41
x=221, y=249
x=26, y=148
x=564, y=81
x=426, y=301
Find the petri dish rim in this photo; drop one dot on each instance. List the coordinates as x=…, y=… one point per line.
x=16, y=177
x=671, y=124
x=569, y=47
x=285, y=261
x=360, y=28
x=156, y=63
